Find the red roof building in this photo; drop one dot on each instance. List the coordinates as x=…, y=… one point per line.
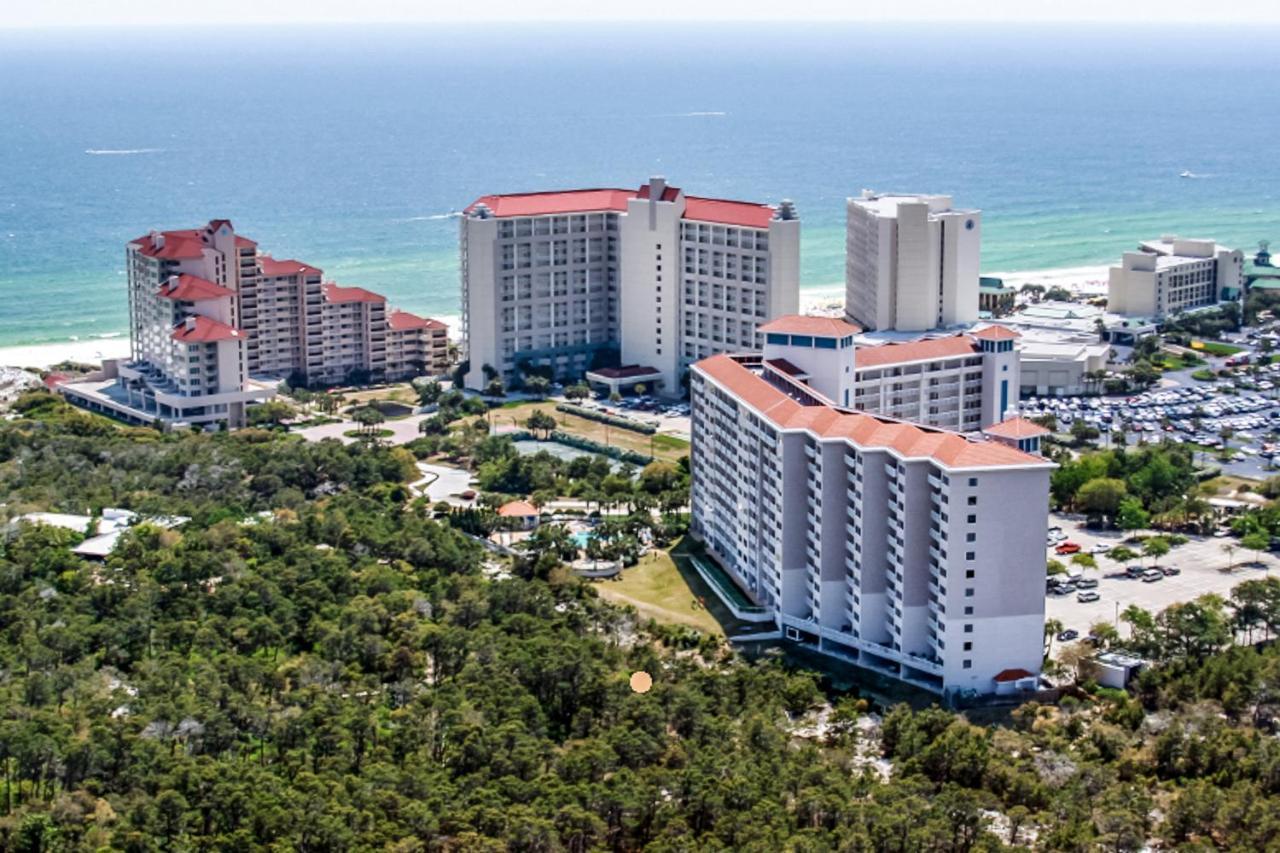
x=190, y=288
x=203, y=330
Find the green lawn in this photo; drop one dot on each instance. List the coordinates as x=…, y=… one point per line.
x=658, y=589
x=1215, y=348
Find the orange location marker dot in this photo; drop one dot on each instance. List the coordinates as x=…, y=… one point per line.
x=641, y=681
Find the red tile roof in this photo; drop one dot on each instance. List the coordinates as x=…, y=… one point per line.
x=401, y=321
x=723, y=211
x=562, y=201
x=1007, y=675
x=202, y=330
x=866, y=431
x=245, y=242
x=517, y=509
x=803, y=324
x=186, y=243
x=922, y=350
x=785, y=366
x=1016, y=427
x=190, y=288
x=288, y=266
x=177, y=245
x=336, y=293
x=996, y=333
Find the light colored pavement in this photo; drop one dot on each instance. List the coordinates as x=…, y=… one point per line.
x=403, y=430
x=443, y=483
x=1202, y=562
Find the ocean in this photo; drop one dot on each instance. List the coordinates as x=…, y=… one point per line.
x=353, y=147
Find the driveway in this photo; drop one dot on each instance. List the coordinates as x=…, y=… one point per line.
x=403, y=430
x=442, y=483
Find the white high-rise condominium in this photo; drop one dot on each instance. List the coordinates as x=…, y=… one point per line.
x=1174, y=274
x=649, y=278
x=910, y=550
x=214, y=325
x=911, y=262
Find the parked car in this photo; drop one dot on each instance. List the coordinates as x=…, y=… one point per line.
x=1152, y=575
x=1085, y=596
x=1068, y=635
x=1170, y=571
x=1135, y=571
x=1067, y=548
x=1100, y=548
x=1087, y=583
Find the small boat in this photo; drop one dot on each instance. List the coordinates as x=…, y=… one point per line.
x=1187, y=175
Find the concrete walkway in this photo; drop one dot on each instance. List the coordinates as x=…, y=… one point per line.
x=403, y=430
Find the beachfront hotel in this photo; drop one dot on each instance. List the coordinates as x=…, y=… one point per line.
x=648, y=280
x=911, y=262
x=910, y=550
x=215, y=326
x=1174, y=274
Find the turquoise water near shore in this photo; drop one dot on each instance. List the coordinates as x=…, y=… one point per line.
x=350, y=148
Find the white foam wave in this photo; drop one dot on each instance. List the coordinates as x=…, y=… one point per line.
x=119, y=152
x=435, y=217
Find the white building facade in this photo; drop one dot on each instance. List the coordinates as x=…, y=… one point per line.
x=585, y=279
x=214, y=325
x=960, y=382
x=909, y=550
x=911, y=262
x=1174, y=274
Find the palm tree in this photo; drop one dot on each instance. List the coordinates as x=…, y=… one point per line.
x=1052, y=628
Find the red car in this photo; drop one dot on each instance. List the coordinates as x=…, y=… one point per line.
x=1067, y=548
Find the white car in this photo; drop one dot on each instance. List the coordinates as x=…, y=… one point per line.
x=1100, y=548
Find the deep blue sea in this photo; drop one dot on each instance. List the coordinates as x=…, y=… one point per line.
x=349, y=147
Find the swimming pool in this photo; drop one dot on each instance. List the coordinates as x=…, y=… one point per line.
x=581, y=538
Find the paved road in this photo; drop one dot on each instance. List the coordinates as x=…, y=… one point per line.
x=1202, y=562
x=442, y=483
x=403, y=430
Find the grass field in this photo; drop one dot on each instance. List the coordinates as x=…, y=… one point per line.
x=1215, y=348
x=658, y=589
x=665, y=447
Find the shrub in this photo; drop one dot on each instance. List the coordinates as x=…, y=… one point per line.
x=601, y=417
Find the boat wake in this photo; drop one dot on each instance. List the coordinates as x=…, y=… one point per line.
x=120, y=152
x=435, y=217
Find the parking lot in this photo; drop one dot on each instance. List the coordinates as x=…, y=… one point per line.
x=1183, y=409
x=1202, y=564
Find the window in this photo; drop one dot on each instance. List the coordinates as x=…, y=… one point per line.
x=973, y=500
x=968, y=628
x=824, y=343
x=968, y=646
x=968, y=592
x=969, y=573
x=780, y=340
x=971, y=537
x=970, y=555
x=973, y=481
x=973, y=519
x=801, y=341
x=968, y=664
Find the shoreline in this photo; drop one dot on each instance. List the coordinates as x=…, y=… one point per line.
x=826, y=298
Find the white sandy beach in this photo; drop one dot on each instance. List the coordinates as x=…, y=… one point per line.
x=91, y=351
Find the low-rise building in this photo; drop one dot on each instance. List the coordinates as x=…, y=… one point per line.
x=1174, y=274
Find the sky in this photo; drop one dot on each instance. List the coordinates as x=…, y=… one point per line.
x=71, y=13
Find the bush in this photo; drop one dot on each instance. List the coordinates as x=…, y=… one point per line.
x=1205, y=375
x=601, y=417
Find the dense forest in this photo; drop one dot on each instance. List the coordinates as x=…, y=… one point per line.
x=315, y=663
